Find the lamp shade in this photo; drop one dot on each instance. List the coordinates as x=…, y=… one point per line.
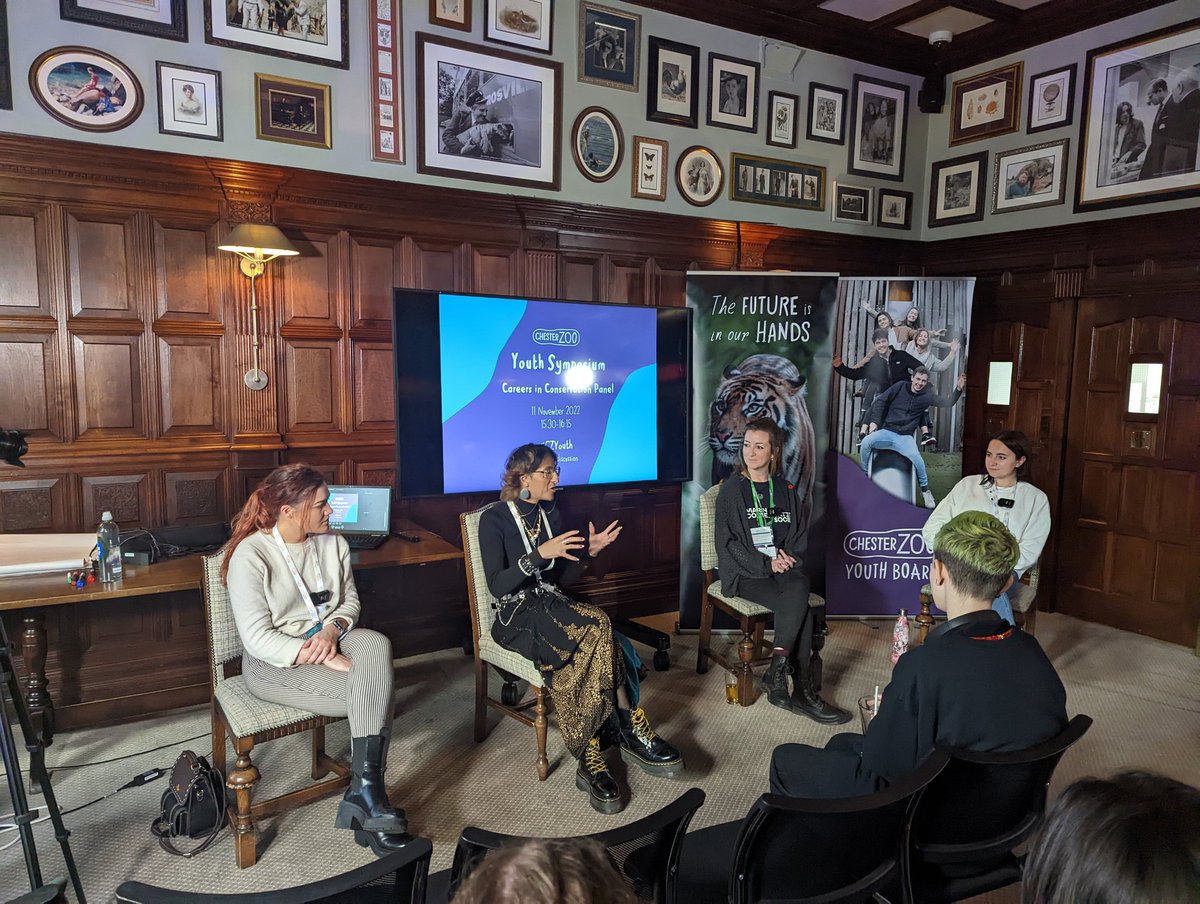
x=258, y=240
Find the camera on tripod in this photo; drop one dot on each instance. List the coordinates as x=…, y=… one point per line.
x=12, y=447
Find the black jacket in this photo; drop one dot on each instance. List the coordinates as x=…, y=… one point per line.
x=881, y=371
x=900, y=410
x=501, y=546
x=736, y=555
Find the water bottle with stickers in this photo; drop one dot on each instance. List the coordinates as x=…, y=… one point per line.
x=900, y=637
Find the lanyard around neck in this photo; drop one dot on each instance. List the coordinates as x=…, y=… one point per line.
x=758, y=512
x=512, y=507
x=310, y=547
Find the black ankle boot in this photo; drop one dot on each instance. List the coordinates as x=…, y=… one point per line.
x=807, y=702
x=593, y=776
x=640, y=745
x=382, y=843
x=365, y=805
x=774, y=682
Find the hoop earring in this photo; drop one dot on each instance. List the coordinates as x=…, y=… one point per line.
x=524, y=494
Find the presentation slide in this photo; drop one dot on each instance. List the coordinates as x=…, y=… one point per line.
x=581, y=378
x=345, y=507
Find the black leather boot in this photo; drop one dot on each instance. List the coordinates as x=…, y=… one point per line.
x=593, y=776
x=640, y=745
x=382, y=843
x=774, y=682
x=365, y=806
x=807, y=702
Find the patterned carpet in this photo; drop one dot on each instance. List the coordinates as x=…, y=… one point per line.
x=1143, y=694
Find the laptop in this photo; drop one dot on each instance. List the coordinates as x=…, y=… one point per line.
x=361, y=514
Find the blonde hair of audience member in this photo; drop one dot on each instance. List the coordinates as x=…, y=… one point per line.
x=973, y=559
x=1130, y=839
x=546, y=871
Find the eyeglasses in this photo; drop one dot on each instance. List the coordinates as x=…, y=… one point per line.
x=546, y=472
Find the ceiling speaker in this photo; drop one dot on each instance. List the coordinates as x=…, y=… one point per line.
x=932, y=94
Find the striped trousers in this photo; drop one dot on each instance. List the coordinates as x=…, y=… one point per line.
x=363, y=695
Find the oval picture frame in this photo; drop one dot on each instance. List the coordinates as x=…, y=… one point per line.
x=86, y=89
x=597, y=144
x=699, y=176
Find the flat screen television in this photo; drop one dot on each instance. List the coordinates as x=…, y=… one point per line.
x=607, y=386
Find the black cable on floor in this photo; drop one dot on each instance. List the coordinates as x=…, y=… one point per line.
x=116, y=759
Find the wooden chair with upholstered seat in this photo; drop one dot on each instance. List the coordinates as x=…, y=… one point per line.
x=751, y=617
x=246, y=720
x=513, y=667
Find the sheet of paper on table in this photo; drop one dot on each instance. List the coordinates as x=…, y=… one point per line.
x=37, y=553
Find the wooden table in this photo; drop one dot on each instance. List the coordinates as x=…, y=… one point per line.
x=33, y=594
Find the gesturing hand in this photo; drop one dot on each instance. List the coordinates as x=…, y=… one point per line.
x=562, y=546
x=837, y=360
x=598, y=541
x=961, y=381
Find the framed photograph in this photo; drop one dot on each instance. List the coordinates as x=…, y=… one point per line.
x=189, y=101
x=785, y=183
x=699, y=176
x=986, y=105
x=956, y=189
x=313, y=32
x=608, y=47
x=672, y=95
x=1051, y=99
x=732, y=93
x=450, y=14
x=385, y=89
x=487, y=115
x=1141, y=86
x=782, y=110
x=878, y=129
x=649, y=168
x=86, y=89
x=528, y=24
x=826, y=113
x=161, y=19
x=893, y=209
x=292, y=111
x=851, y=204
x=6, y=97
x=1035, y=176
x=597, y=144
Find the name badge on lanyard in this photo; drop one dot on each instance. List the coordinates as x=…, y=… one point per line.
x=763, y=536
x=317, y=602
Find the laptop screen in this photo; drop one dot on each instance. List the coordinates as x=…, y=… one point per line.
x=360, y=510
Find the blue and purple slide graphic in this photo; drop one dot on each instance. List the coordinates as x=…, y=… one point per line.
x=581, y=378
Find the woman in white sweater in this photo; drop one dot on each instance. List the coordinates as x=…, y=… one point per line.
x=1004, y=491
x=296, y=608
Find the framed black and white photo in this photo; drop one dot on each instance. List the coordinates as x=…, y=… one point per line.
x=878, y=128
x=826, y=113
x=308, y=30
x=292, y=111
x=672, y=92
x=698, y=176
x=6, y=97
x=154, y=18
x=894, y=209
x=487, y=115
x=1051, y=99
x=732, y=93
x=86, y=89
x=597, y=144
x=986, y=105
x=608, y=47
x=528, y=24
x=1149, y=85
x=851, y=204
x=956, y=190
x=1034, y=176
x=386, y=87
x=189, y=101
x=782, y=110
x=649, y=169
x=784, y=183
x=450, y=14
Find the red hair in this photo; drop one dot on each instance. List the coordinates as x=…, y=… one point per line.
x=292, y=485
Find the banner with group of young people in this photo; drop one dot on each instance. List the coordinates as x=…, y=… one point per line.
x=843, y=366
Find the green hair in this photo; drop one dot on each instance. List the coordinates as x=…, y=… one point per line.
x=978, y=552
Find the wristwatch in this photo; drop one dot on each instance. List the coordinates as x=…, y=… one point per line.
x=343, y=626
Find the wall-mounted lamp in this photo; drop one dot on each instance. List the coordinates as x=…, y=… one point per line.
x=255, y=244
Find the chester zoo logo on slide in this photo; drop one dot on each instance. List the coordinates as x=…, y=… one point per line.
x=564, y=337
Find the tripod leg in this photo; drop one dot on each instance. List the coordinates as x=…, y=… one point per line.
x=12, y=769
x=37, y=766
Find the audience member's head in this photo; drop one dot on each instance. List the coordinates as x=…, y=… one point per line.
x=546, y=871
x=1131, y=839
x=973, y=558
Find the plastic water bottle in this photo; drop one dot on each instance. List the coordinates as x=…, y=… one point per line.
x=108, y=544
x=900, y=637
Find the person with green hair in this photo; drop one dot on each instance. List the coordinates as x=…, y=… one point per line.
x=954, y=690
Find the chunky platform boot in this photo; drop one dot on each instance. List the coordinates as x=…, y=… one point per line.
x=641, y=746
x=382, y=843
x=593, y=776
x=807, y=702
x=774, y=682
x=365, y=806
